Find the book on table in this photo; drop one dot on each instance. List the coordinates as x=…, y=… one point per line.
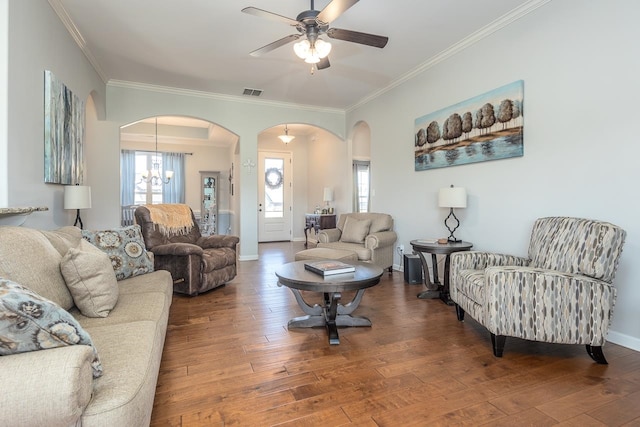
x=329, y=267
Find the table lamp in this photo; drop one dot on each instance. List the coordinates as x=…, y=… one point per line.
x=77, y=197
x=452, y=197
x=328, y=197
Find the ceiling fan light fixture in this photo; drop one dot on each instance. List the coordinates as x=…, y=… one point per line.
x=322, y=48
x=302, y=48
x=312, y=54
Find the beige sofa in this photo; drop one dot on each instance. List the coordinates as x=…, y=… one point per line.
x=369, y=235
x=55, y=387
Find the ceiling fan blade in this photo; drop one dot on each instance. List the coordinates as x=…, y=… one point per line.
x=324, y=63
x=356, y=37
x=270, y=15
x=334, y=9
x=276, y=44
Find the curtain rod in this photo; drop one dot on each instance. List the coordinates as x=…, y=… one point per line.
x=153, y=151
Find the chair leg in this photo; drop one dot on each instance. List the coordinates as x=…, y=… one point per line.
x=497, y=341
x=596, y=354
x=391, y=269
x=460, y=313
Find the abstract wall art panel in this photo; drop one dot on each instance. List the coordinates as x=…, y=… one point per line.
x=63, y=133
x=486, y=127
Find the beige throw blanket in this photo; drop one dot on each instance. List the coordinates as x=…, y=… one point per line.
x=172, y=219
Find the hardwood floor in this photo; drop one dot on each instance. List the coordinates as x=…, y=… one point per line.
x=229, y=360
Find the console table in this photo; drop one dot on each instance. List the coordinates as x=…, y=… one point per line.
x=318, y=222
x=436, y=289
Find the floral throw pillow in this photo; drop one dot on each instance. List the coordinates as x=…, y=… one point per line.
x=29, y=322
x=126, y=250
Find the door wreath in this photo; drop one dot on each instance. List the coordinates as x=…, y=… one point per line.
x=273, y=178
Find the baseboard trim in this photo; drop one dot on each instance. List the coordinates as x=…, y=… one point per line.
x=624, y=340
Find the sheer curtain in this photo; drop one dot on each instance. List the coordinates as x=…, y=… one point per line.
x=127, y=177
x=173, y=192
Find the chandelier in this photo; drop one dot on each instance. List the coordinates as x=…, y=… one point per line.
x=286, y=138
x=153, y=175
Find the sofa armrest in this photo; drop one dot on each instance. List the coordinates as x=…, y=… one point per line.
x=218, y=241
x=545, y=305
x=476, y=260
x=177, y=249
x=380, y=239
x=46, y=387
x=329, y=235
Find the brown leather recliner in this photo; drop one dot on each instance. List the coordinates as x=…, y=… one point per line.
x=197, y=263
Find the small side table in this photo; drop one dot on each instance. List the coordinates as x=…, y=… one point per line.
x=318, y=222
x=435, y=289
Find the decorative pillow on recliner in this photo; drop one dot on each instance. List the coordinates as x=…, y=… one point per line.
x=29, y=322
x=125, y=248
x=355, y=230
x=90, y=279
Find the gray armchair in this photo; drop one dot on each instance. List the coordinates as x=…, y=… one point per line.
x=196, y=263
x=369, y=235
x=561, y=293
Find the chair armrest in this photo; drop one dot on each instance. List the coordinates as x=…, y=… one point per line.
x=477, y=260
x=329, y=235
x=380, y=239
x=46, y=387
x=218, y=241
x=547, y=305
x=177, y=249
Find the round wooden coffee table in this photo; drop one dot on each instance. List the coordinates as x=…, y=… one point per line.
x=331, y=313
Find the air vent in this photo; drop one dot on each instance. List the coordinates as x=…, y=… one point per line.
x=252, y=92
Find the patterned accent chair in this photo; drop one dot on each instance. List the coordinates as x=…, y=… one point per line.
x=196, y=263
x=562, y=293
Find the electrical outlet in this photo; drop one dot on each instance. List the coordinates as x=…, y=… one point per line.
x=401, y=248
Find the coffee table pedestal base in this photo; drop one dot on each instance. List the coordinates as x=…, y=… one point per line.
x=331, y=314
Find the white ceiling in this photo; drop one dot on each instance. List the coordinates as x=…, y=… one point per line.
x=204, y=45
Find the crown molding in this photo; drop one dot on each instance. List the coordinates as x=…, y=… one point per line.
x=473, y=38
x=217, y=96
x=77, y=36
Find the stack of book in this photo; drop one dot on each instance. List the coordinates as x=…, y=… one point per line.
x=329, y=267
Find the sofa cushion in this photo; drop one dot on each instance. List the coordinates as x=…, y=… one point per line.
x=29, y=258
x=355, y=230
x=90, y=279
x=125, y=248
x=29, y=322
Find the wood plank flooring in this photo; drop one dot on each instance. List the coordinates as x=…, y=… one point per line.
x=229, y=360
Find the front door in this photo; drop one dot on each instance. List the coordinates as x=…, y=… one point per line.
x=274, y=196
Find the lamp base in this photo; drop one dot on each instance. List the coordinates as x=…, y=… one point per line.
x=78, y=220
x=452, y=238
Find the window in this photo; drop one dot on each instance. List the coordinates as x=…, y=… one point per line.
x=146, y=192
x=273, y=188
x=361, y=186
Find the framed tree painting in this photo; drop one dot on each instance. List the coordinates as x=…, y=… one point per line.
x=486, y=127
x=63, y=133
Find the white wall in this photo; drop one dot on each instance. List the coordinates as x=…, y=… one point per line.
x=580, y=67
x=37, y=42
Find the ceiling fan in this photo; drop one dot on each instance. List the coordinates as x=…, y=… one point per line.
x=312, y=24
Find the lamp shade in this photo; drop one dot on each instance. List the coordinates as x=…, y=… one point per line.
x=452, y=197
x=77, y=197
x=327, y=194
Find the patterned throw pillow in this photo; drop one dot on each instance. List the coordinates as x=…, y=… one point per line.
x=125, y=248
x=29, y=322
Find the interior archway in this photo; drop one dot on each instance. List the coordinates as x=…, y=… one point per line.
x=207, y=147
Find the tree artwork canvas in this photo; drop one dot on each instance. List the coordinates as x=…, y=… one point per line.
x=486, y=127
x=63, y=133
